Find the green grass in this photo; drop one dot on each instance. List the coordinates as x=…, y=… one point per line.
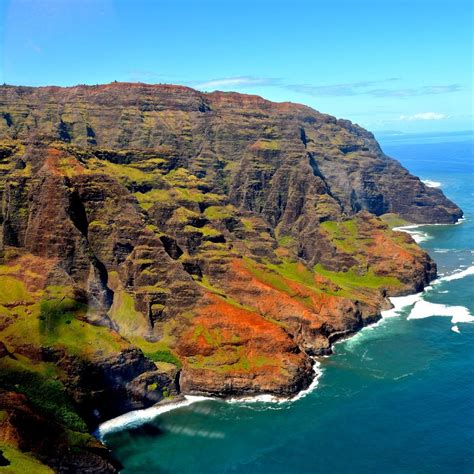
x=123, y=312
x=248, y=223
x=276, y=275
x=231, y=359
x=218, y=212
x=266, y=145
x=343, y=234
x=146, y=200
x=164, y=356
x=206, y=231
x=351, y=279
x=182, y=215
x=54, y=313
x=13, y=290
x=212, y=336
x=127, y=174
x=22, y=463
x=393, y=220
x=286, y=241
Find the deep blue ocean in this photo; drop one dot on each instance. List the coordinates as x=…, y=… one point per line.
x=395, y=398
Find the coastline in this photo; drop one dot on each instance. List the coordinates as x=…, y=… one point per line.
x=139, y=417
x=419, y=236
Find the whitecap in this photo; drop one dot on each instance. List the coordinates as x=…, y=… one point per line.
x=457, y=275
x=268, y=398
x=139, y=417
x=430, y=183
x=400, y=303
x=425, y=309
x=408, y=374
x=417, y=235
x=456, y=329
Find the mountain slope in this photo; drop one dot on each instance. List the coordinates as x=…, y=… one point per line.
x=156, y=240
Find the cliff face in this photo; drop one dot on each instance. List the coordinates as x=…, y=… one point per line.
x=155, y=240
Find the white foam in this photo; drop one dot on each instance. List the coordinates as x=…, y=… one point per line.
x=193, y=433
x=421, y=309
x=456, y=329
x=418, y=235
x=430, y=183
x=457, y=275
x=138, y=417
x=425, y=309
x=399, y=303
x=268, y=398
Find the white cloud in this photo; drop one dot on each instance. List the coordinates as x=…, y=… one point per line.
x=234, y=81
x=423, y=116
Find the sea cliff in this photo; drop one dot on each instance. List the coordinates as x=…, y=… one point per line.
x=156, y=241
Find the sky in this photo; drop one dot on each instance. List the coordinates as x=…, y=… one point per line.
x=388, y=65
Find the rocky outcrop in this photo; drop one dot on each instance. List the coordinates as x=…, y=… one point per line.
x=155, y=240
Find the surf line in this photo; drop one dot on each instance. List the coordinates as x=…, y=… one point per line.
x=139, y=417
x=418, y=235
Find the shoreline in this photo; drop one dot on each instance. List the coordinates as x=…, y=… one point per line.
x=419, y=236
x=139, y=417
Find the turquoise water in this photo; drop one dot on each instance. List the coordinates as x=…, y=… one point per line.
x=396, y=398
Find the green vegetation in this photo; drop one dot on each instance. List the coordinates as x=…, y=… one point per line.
x=146, y=200
x=46, y=394
x=127, y=174
x=393, y=220
x=213, y=337
x=182, y=215
x=266, y=145
x=232, y=359
x=344, y=234
x=248, y=223
x=286, y=241
x=277, y=275
x=21, y=462
x=351, y=279
x=206, y=231
x=13, y=291
x=123, y=311
x=164, y=356
x=54, y=313
x=219, y=212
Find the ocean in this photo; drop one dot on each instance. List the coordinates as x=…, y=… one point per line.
x=398, y=397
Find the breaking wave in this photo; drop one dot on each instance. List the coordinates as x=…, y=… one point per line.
x=430, y=183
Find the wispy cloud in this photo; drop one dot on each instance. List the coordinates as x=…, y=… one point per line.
x=366, y=88
x=417, y=91
x=423, y=116
x=33, y=46
x=337, y=90
x=239, y=81
x=374, y=88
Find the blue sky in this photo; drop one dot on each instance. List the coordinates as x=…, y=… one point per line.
x=385, y=64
